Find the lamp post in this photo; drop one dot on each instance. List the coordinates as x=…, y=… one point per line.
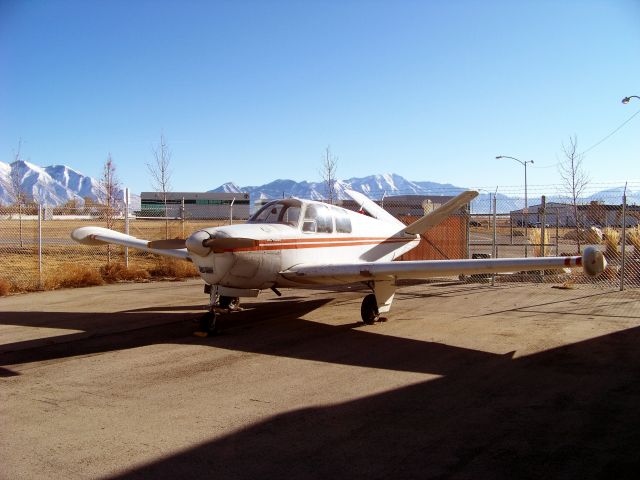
x=526, y=205
x=525, y=174
x=626, y=100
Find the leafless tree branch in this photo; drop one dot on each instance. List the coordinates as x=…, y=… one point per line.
x=328, y=170
x=160, y=173
x=16, y=192
x=108, y=195
x=574, y=179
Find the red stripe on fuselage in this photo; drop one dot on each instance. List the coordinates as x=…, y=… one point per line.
x=299, y=243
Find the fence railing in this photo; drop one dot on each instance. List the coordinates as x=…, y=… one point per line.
x=36, y=250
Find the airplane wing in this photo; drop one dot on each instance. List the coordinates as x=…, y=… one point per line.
x=592, y=261
x=102, y=236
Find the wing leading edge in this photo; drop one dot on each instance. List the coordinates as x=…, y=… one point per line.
x=101, y=236
x=592, y=261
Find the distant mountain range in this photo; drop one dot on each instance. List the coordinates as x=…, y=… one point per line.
x=57, y=184
x=388, y=185
x=53, y=185
x=374, y=186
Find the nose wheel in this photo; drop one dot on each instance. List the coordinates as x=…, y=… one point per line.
x=369, y=309
x=208, y=324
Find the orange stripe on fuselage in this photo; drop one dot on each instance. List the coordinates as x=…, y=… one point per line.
x=299, y=243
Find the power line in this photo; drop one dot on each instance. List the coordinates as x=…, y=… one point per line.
x=605, y=138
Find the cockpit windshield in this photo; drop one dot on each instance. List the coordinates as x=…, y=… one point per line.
x=286, y=212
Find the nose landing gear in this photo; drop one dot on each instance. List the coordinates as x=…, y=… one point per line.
x=208, y=323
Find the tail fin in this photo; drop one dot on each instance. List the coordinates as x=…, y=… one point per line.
x=438, y=215
x=373, y=208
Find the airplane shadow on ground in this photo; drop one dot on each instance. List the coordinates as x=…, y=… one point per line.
x=568, y=412
x=273, y=328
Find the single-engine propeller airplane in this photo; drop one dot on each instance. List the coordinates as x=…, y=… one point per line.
x=298, y=243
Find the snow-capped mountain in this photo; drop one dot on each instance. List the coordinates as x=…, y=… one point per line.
x=57, y=184
x=74, y=181
x=633, y=196
x=53, y=185
x=374, y=186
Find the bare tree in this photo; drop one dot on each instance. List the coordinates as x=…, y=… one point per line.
x=16, y=191
x=574, y=178
x=108, y=196
x=160, y=173
x=328, y=170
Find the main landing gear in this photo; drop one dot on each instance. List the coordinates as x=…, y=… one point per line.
x=369, y=309
x=377, y=302
x=208, y=323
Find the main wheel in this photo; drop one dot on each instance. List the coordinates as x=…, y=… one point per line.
x=369, y=309
x=228, y=302
x=208, y=323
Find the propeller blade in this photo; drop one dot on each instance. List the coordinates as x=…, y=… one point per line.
x=169, y=244
x=227, y=243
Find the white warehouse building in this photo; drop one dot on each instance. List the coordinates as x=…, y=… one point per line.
x=204, y=205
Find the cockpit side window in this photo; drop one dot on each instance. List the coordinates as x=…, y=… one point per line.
x=268, y=214
x=317, y=218
x=343, y=222
x=284, y=212
x=290, y=215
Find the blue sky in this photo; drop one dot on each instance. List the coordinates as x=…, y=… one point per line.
x=254, y=91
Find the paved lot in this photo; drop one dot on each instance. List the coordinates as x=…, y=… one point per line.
x=463, y=381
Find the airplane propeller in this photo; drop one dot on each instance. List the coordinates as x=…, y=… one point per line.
x=201, y=243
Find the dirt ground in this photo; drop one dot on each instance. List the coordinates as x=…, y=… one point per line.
x=462, y=381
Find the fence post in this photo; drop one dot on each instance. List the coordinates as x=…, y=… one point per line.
x=182, y=217
x=557, y=232
x=526, y=231
x=624, y=237
x=126, y=225
x=494, y=250
x=543, y=220
x=39, y=245
x=468, y=228
x=231, y=211
x=511, y=228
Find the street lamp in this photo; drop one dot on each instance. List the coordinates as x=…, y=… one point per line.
x=626, y=100
x=525, y=174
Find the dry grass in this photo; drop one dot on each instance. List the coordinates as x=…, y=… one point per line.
x=171, y=268
x=73, y=276
x=611, y=238
x=589, y=236
x=535, y=239
x=118, y=272
x=633, y=237
x=5, y=287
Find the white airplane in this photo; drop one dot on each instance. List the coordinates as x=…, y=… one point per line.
x=300, y=243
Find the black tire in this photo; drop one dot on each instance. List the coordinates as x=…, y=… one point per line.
x=228, y=302
x=369, y=309
x=209, y=323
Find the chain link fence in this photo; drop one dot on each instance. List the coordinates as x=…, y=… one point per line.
x=38, y=253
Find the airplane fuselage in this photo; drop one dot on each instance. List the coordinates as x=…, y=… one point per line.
x=280, y=246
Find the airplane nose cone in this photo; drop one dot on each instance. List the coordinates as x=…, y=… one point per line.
x=194, y=243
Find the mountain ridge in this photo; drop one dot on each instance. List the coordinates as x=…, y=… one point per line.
x=58, y=184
